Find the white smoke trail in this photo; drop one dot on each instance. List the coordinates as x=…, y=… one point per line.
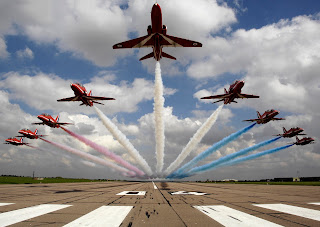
x=90, y=157
x=193, y=142
x=122, y=139
x=158, y=117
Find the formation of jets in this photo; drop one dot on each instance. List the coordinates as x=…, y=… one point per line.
x=267, y=116
x=15, y=141
x=30, y=134
x=157, y=38
x=291, y=132
x=47, y=119
x=81, y=95
x=233, y=93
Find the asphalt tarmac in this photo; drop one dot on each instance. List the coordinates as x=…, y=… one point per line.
x=158, y=204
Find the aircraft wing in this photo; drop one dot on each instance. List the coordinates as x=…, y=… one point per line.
x=70, y=99
x=178, y=42
x=38, y=123
x=134, y=43
x=246, y=96
x=252, y=120
x=217, y=96
x=63, y=123
x=98, y=98
x=277, y=119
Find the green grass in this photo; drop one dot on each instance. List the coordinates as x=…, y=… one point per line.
x=30, y=180
x=308, y=183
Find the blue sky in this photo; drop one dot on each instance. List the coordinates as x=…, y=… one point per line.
x=272, y=45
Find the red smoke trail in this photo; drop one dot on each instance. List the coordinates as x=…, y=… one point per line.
x=105, y=151
x=90, y=157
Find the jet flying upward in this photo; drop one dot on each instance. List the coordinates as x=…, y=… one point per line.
x=15, y=141
x=29, y=134
x=233, y=93
x=304, y=141
x=81, y=95
x=157, y=38
x=50, y=121
x=269, y=115
x=291, y=132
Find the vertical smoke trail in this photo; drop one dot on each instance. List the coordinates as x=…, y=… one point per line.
x=253, y=156
x=217, y=163
x=122, y=139
x=158, y=117
x=202, y=131
x=211, y=149
x=90, y=157
x=105, y=151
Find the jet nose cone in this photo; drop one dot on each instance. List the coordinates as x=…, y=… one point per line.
x=156, y=7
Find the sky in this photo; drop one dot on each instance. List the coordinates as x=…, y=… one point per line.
x=273, y=46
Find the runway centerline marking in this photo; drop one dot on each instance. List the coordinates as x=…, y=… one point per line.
x=103, y=216
x=154, y=185
x=298, y=211
x=188, y=193
x=5, y=204
x=15, y=216
x=132, y=193
x=315, y=203
x=230, y=217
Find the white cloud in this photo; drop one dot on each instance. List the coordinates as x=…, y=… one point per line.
x=89, y=28
x=3, y=49
x=42, y=90
x=26, y=53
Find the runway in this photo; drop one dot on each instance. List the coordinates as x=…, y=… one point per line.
x=158, y=204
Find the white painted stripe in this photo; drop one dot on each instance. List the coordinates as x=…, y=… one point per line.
x=154, y=185
x=103, y=216
x=315, y=203
x=12, y=217
x=5, y=204
x=230, y=217
x=298, y=211
x=188, y=193
x=132, y=193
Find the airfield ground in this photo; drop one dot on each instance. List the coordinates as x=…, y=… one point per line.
x=158, y=204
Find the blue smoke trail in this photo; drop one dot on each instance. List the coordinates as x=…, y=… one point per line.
x=253, y=156
x=236, y=161
x=227, y=158
x=210, y=150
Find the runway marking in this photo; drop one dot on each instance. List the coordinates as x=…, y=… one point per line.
x=230, y=217
x=12, y=217
x=132, y=193
x=188, y=193
x=314, y=203
x=5, y=204
x=298, y=211
x=103, y=216
x=154, y=185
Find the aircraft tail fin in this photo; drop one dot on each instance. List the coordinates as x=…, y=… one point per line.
x=259, y=115
x=57, y=118
x=90, y=93
x=36, y=132
x=284, y=130
x=225, y=91
x=165, y=55
x=297, y=139
x=146, y=57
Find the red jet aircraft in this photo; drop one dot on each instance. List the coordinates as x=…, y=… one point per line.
x=15, y=141
x=233, y=93
x=81, y=95
x=50, y=121
x=304, y=141
x=157, y=38
x=29, y=134
x=291, y=132
x=269, y=115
